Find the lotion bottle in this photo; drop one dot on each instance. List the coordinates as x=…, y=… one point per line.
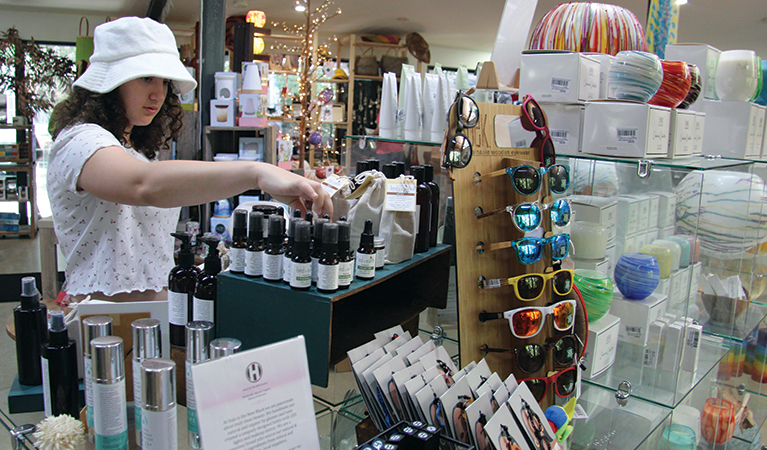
x=110, y=417
x=274, y=250
x=254, y=256
x=317, y=246
x=327, y=274
x=345, y=255
x=93, y=327
x=198, y=339
x=434, y=187
x=239, y=241
x=287, y=261
x=59, y=370
x=31, y=321
x=159, y=427
x=146, y=345
x=302, y=259
x=423, y=210
x=205, y=292
x=365, y=263
x=181, y=284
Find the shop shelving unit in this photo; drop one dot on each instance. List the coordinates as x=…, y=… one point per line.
x=23, y=169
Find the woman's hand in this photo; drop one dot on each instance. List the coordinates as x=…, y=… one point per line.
x=294, y=190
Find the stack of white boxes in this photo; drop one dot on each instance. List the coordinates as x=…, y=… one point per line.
x=733, y=129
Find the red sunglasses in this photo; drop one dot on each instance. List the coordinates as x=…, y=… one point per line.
x=563, y=381
x=534, y=119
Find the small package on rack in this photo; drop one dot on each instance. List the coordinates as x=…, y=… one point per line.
x=369, y=196
x=637, y=315
x=700, y=126
x=559, y=77
x=681, y=133
x=602, y=345
x=634, y=130
x=398, y=220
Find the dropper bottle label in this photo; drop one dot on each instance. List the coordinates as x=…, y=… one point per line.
x=274, y=251
x=254, y=255
x=239, y=241
x=365, y=263
x=327, y=273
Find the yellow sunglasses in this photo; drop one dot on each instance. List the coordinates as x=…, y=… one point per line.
x=529, y=287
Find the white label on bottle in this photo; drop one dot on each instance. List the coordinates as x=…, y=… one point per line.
x=88, y=382
x=178, y=308
x=137, y=393
x=254, y=263
x=191, y=404
x=327, y=277
x=315, y=268
x=365, y=265
x=159, y=430
x=400, y=194
x=287, y=269
x=237, y=261
x=380, y=259
x=202, y=309
x=302, y=275
x=46, y=386
x=272, y=267
x=345, y=273
x=109, y=412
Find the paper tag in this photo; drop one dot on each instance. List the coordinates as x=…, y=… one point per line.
x=579, y=413
x=560, y=137
x=333, y=184
x=400, y=195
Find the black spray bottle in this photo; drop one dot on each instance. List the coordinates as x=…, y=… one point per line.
x=204, y=302
x=31, y=321
x=302, y=257
x=345, y=255
x=59, y=369
x=365, y=263
x=181, y=283
x=287, y=257
x=434, y=187
x=254, y=255
x=317, y=247
x=423, y=210
x=239, y=241
x=327, y=268
x=274, y=250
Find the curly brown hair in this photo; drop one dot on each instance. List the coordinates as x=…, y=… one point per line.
x=107, y=111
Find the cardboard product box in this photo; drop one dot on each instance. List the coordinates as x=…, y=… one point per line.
x=634, y=130
x=597, y=209
x=565, y=125
x=666, y=232
x=652, y=235
x=705, y=57
x=666, y=208
x=681, y=133
x=604, y=72
x=612, y=259
x=730, y=128
x=653, y=352
x=222, y=113
x=759, y=130
x=559, y=77
x=628, y=244
x=673, y=351
x=697, y=141
x=636, y=316
x=645, y=215
x=628, y=216
x=677, y=288
x=664, y=287
x=602, y=345
x=691, y=352
x=695, y=271
x=601, y=265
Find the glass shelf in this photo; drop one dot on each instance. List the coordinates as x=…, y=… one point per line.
x=740, y=328
x=691, y=163
x=399, y=141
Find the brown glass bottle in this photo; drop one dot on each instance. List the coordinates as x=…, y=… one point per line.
x=434, y=187
x=365, y=262
x=327, y=273
x=423, y=210
x=239, y=241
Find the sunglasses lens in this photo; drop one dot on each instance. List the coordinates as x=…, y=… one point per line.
x=537, y=387
x=562, y=282
x=459, y=151
x=564, y=351
x=559, y=246
x=527, y=322
x=560, y=213
x=548, y=154
x=559, y=178
x=565, y=382
x=530, y=287
x=527, y=217
x=468, y=112
x=564, y=315
x=526, y=180
x=530, y=358
x=535, y=114
x=528, y=250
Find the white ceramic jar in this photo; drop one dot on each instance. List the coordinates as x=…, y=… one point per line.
x=737, y=76
x=589, y=240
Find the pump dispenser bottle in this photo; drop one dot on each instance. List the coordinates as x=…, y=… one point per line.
x=31, y=322
x=287, y=261
x=302, y=259
x=274, y=250
x=181, y=283
x=317, y=247
x=423, y=210
x=110, y=418
x=93, y=327
x=59, y=370
x=327, y=273
x=345, y=256
x=198, y=339
x=254, y=255
x=365, y=264
x=205, y=293
x=146, y=345
x=239, y=241
x=434, y=188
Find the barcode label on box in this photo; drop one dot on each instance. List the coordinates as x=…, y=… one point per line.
x=650, y=357
x=522, y=143
x=634, y=331
x=561, y=85
x=491, y=284
x=628, y=135
x=692, y=338
x=560, y=137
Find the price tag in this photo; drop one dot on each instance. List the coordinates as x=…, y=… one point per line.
x=400, y=195
x=333, y=184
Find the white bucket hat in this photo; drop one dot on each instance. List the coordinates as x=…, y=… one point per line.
x=130, y=48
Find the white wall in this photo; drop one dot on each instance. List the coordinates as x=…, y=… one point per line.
x=451, y=57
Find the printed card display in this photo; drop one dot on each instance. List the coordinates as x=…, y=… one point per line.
x=416, y=355
x=477, y=414
x=415, y=385
x=504, y=431
x=478, y=376
x=378, y=403
x=532, y=421
x=400, y=194
x=358, y=368
x=455, y=401
x=466, y=369
x=362, y=351
x=384, y=378
x=389, y=335
x=410, y=346
x=400, y=378
x=442, y=361
x=499, y=393
x=400, y=340
x=429, y=399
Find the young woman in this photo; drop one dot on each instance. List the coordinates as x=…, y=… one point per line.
x=113, y=204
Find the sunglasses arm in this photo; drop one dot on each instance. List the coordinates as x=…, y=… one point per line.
x=485, y=350
x=484, y=316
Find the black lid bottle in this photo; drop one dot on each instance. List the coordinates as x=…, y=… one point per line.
x=423, y=210
x=287, y=261
x=390, y=171
x=434, y=225
x=204, y=301
x=239, y=241
x=317, y=246
x=254, y=253
x=345, y=255
x=374, y=164
x=400, y=168
x=274, y=249
x=302, y=258
x=365, y=262
x=31, y=321
x=362, y=166
x=182, y=281
x=327, y=270
x=59, y=368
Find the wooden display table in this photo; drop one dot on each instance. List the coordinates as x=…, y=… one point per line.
x=258, y=312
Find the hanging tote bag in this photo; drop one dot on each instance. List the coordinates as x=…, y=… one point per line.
x=83, y=47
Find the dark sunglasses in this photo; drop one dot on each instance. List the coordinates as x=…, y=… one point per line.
x=530, y=249
x=529, y=287
x=534, y=119
x=532, y=357
x=527, y=216
x=458, y=150
x=563, y=381
x=528, y=321
x=526, y=179
x=460, y=421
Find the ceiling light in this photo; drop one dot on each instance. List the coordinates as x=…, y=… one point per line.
x=300, y=6
x=680, y=2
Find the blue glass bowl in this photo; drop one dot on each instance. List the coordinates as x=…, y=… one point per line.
x=637, y=275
